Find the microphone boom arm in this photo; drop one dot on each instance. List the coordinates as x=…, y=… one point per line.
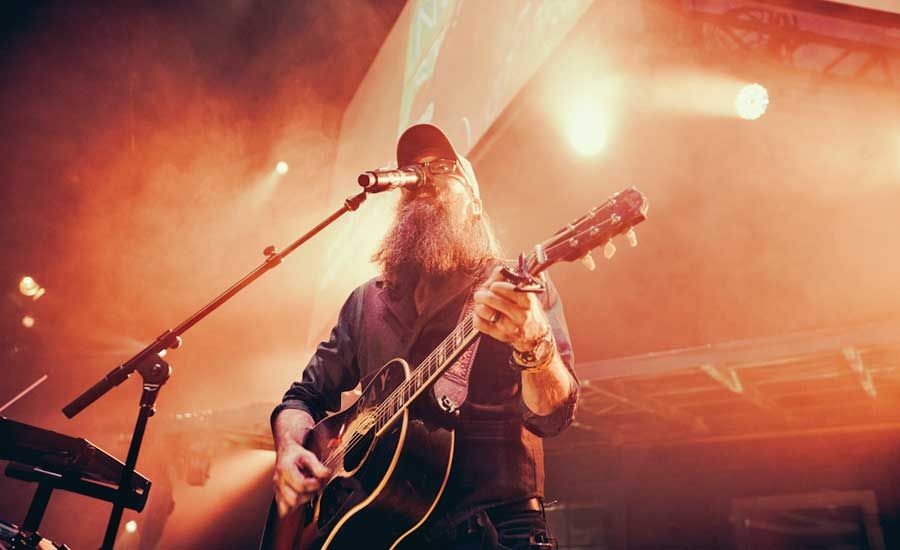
x=155, y=371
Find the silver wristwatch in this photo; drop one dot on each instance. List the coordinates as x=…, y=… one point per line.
x=538, y=357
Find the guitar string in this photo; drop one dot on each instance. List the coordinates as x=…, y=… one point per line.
x=466, y=326
x=381, y=418
x=459, y=334
x=392, y=405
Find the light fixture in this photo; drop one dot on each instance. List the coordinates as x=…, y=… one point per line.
x=29, y=287
x=751, y=101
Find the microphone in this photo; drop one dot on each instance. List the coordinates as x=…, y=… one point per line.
x=376, y=181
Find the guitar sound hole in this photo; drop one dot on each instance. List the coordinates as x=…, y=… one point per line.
x=356, y=453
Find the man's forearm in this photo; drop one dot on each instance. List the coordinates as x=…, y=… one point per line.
x=545, y=390
x=291, y=426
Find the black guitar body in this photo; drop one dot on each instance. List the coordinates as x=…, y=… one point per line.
x=385, y=486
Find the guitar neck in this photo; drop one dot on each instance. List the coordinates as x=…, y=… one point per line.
x=426, y=373
x=433, y=366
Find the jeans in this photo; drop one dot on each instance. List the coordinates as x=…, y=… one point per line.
x=499, y=529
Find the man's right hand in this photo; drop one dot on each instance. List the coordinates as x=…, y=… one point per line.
x=298, y=472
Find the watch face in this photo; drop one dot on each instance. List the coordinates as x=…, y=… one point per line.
x=539, y=355
x=542, y=350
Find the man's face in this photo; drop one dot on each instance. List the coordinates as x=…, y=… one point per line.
x=438, y=228
x=449, y=189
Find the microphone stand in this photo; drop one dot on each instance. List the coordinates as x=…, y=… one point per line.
x=155, y=371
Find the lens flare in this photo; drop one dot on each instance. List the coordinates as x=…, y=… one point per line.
x=28, y=321
x=751, y=101
x=282, y=167
x=131, y=526
x=28, y=286
x=587, y=127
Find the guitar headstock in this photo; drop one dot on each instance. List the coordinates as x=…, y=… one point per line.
x=618, y=215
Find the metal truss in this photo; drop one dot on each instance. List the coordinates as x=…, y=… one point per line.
x=812, y=382
x=834, y=41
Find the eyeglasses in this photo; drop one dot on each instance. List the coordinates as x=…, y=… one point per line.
x=439, y=166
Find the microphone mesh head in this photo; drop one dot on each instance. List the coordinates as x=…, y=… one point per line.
x=366, y=179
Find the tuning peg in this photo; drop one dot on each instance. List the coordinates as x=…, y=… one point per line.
x=588, y=261
x=632, y=237
x=609, y=250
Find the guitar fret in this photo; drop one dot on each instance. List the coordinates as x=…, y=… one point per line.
x=430, y=366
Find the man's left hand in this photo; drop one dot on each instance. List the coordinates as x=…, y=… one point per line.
x=508, y=315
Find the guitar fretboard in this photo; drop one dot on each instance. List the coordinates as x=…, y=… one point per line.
x=433, y=366
x=428, y=371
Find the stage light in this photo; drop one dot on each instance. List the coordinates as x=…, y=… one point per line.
x=587, y=127
x=281, y=167
x=130, y=526
x=29, y=287
x=28, y=321
x=751, y=101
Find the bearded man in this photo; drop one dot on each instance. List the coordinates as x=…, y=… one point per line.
x=439, y=263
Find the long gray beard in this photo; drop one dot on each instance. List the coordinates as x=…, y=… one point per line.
x=425, y=239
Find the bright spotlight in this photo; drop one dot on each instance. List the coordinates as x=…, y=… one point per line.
x=281, y=167
x=587, y=127
x=751, y=101
x=131, y=526
x=29, y=287
x=28, y=321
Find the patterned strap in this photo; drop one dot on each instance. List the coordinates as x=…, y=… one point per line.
x=452, y=388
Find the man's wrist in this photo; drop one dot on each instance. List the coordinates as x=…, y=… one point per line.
x=292, y=426
x=538, y=357
x=525, y=346
x=541, y=368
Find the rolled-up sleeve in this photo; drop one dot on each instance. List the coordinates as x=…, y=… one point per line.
x=333, y=368
x=558, y=420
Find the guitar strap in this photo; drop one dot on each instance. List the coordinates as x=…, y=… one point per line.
x=452, y=388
